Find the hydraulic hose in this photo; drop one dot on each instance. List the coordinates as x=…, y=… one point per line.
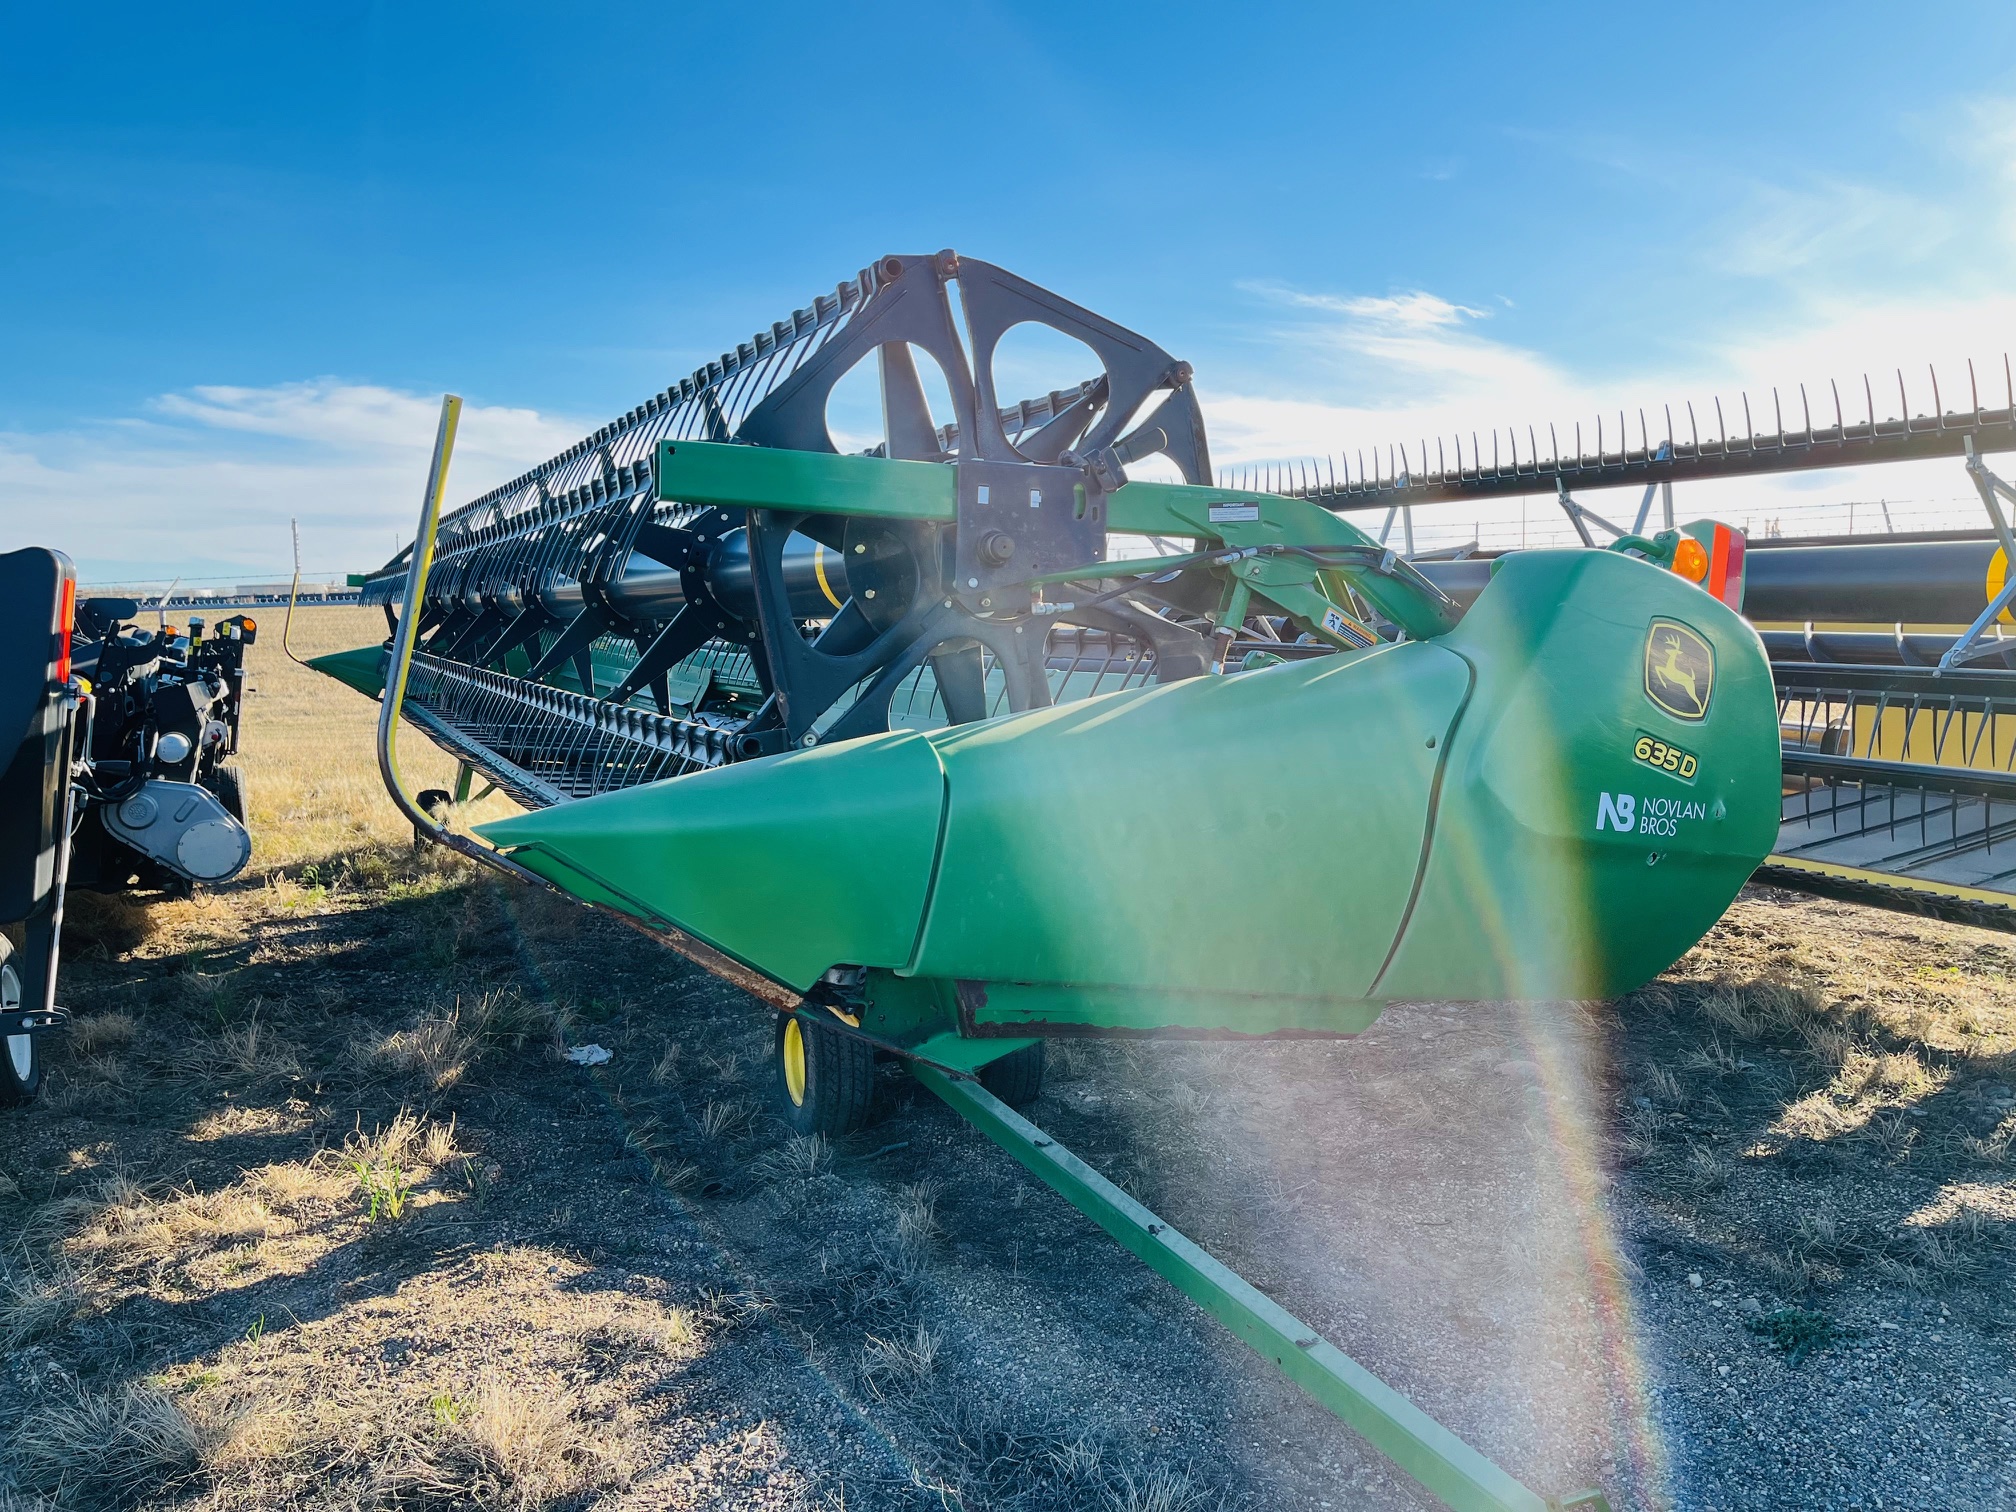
x=427, y=826
x=403, y=638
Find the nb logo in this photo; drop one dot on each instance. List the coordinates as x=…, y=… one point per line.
x=1618, y=811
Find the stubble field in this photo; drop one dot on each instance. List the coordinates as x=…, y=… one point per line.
x=314, y=1215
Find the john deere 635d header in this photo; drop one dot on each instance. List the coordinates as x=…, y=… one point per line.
x=971, y=741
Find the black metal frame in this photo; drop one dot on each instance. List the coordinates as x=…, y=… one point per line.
x=1398, y=480
x=534, y=567
x=1846, y=787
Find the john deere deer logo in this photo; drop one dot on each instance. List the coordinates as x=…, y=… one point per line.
x=1679, y=670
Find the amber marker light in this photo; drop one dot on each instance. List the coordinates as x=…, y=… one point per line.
x=1690, y=559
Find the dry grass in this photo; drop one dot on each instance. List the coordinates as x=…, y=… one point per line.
x=293, y=1185
x=1813, y=1050
x=116, y=1449
x=262, y=1069
x=667, y=1071
x=37, y=1297
x=250, y=1053
x=722, y=1118
x=916, y=1230
x=408, y=1139
x=440, y=1050
x=800, y=1158
x=1158, y=1488
x=100, y=1033
x=134, y=1230
x=284, y=1412
x=504, y=1446
x=330, y=809
x=900, y=1365
x=443, y=1047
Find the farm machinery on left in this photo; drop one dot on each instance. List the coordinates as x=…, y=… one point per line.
x=117, y=743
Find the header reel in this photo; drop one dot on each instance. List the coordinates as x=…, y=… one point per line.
x=594, y=575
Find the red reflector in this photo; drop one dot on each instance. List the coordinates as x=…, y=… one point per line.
x=1718, y=562
x=66, y=618
x=1732, y=586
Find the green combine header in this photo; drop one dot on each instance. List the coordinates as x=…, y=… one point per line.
x=979, y=739
x=1553, y=797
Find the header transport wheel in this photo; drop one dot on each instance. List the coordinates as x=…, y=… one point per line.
x=20, y=1057
x=1016, y=1078
x=825, y=1078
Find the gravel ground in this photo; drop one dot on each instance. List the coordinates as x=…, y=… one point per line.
x=1499, y=1209
x=313, y=1215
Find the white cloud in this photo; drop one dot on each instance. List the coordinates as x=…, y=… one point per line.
x=1417, y=310
x=1791, y=232
x=205, y=482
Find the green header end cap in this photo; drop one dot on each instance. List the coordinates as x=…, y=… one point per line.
x=792, y=863
x=362, y=669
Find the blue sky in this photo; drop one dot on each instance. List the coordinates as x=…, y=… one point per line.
x=246, y=247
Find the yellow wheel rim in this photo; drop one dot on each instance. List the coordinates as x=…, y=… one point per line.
x=794, y=1061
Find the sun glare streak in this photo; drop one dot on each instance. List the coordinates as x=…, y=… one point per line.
x=1568, y=1087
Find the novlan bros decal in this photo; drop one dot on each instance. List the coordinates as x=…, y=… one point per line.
x=1633, y=813
x=1679, y=669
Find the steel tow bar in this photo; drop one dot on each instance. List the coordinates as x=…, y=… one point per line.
x=1456, y=1474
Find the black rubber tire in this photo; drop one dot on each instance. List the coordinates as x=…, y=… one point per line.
x=227, y=781
x=16, y=1085
x=1016, y=1078
x=839, y=1079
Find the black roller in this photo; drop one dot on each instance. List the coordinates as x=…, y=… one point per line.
x=1921, y=582
x=1882, y=581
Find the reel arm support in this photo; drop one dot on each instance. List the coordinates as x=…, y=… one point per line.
x=1266, y=525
